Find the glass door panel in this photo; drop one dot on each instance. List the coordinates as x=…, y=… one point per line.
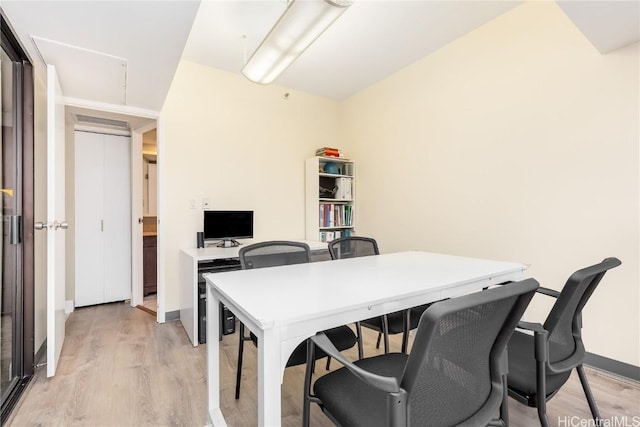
x=9, y=230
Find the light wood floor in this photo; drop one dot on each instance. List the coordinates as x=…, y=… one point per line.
x=119, y=367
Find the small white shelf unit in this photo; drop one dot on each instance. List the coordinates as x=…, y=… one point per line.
x=330, y=214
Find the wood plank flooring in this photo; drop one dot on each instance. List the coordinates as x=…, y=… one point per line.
x=120, y=368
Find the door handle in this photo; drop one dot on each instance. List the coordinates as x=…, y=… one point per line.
x=15, y=233
x=40, y=225
x=51, y=225
x=60, y=224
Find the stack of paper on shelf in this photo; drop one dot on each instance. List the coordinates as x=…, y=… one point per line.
x=329, y=152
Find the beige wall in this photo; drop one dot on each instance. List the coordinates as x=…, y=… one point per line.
x=242, y=146
x=40, y=209
x=518, y=142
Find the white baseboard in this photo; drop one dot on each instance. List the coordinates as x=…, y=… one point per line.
x=69, y=306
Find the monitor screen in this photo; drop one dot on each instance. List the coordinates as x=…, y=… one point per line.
x=228, y=225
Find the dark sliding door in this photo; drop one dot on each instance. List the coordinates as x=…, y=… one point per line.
x=16, y=248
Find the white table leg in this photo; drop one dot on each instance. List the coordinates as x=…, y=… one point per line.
x=213, y=360
x=269, y=378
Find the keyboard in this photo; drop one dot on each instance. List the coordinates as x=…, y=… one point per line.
x=217, y=265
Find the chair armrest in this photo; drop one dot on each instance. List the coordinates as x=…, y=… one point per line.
x=548, y=292
x=386, y=384
x=530, y=326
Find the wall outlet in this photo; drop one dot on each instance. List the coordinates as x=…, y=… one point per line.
x=205, y=203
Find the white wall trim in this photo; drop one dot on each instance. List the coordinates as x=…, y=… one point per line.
x=137, y=260
x=69, y=307
x=146, y=128
x=160, y=141
x=113, y=108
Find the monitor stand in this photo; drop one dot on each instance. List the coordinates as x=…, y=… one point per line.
x=228, y=243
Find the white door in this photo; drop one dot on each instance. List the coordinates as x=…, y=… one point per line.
x=103, y=218
x=55, y=221
x=117, y=218
x=89, y=221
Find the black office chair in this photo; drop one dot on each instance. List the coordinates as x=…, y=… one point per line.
x=389, y=324
x=455, y=374
x=275, y=253
x=540, y=364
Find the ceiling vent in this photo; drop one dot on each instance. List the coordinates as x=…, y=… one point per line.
x=102, y=121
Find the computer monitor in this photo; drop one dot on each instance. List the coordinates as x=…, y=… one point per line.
x=227, y=226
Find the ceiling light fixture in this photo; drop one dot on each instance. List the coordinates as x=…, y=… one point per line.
x=300, y=25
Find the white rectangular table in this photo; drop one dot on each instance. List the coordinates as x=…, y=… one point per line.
x=188, y=260
x=285, y=305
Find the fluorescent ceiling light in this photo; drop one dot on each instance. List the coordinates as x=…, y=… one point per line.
x=300, y=25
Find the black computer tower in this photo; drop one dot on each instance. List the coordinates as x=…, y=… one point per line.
x=227, y=321
x=202, y=313
x=227, y=318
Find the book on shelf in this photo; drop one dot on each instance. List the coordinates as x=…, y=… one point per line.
x=335, y=215
x=331, y=220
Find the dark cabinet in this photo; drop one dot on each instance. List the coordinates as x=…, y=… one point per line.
x=150, y=263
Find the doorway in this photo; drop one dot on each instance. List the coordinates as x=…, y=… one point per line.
x=16, y=249
x=117, y=121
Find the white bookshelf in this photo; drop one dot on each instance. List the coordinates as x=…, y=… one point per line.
x=328, y=215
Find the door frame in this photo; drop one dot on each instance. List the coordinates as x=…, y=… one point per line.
x=23, y=100
x=137, y=288
x=136, y=185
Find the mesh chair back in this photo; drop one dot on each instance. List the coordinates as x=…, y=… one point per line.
x=563, y=322
x=274, y=253
x=455, y=369
x=351, y=247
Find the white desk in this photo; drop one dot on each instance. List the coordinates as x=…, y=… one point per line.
x=188, y=276
x=285, y=305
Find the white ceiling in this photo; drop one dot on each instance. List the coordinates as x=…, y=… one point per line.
x=609, y=25
x=370, y=41
x=92, y=42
